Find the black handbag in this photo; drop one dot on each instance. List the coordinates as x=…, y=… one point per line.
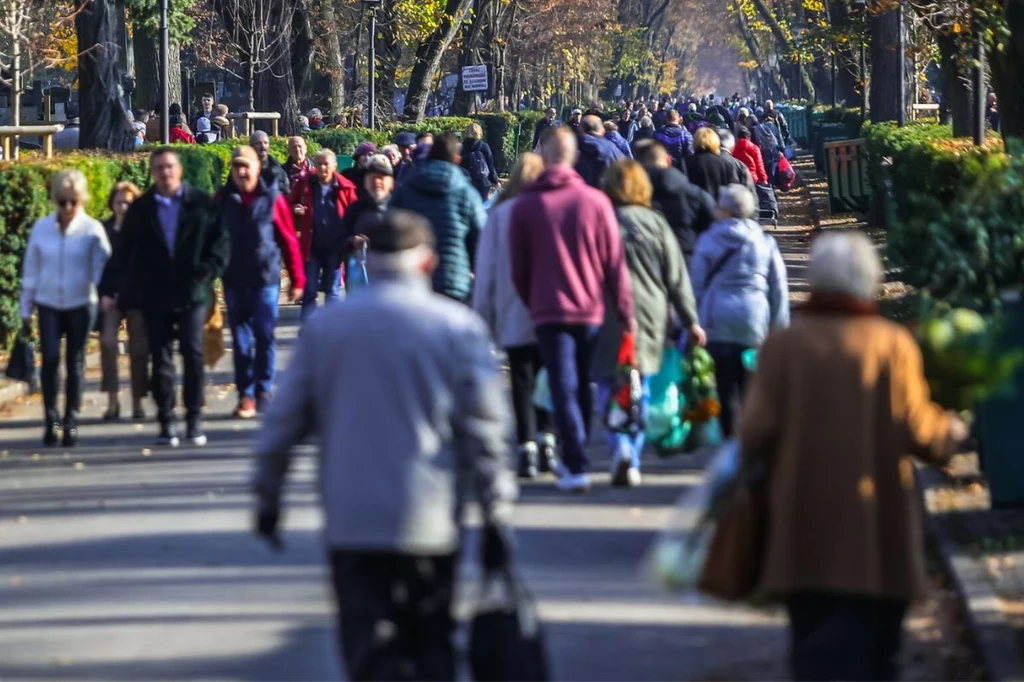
x=21, y=365
x=506, y=641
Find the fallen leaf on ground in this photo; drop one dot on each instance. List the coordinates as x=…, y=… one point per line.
x=79, y=465
x=146, y=452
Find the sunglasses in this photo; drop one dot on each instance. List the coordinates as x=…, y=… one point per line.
x=64, y=203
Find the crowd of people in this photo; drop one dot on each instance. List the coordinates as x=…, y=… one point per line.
x=587, y=241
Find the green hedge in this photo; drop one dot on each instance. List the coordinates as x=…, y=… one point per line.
x=955, y=212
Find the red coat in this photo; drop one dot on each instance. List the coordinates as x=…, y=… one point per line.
x=750, y=154
x=302, y=195
x=179, y=134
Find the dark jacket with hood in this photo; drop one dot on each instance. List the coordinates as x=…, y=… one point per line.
x=678, y=142
x=440, y=192
x=482, y=184
x=542, y=126
x=711, y=172
x=596, y=154
x=688, y=209
x=619, y=141
x=273, y=173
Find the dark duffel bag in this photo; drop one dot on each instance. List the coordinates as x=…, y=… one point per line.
x=506, y=641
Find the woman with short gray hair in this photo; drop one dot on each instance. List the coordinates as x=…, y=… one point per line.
x=838, y=405
x=739, y=279
x=64, y=260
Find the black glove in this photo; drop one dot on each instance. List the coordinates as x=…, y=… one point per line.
x=266, y=527
x=496, y=548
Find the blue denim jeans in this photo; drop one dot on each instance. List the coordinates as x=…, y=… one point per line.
x=605, y=388
x=252, y=316
x=566, y=350
x=322, y=274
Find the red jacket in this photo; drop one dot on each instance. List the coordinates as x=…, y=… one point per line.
x=302, y=195
x=566, y=252
x=750, y=154
x=179, y=134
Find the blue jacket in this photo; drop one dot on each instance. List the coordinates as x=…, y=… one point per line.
x=619, y=141
x=739, y=280
x=678, y=142
x=596, y=154
x=255, y=256
x=440, y=192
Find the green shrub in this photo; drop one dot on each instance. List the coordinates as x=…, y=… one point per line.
x=529, y=121
x=345, y=140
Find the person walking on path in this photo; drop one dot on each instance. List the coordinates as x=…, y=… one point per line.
x=379, y=183
x=836, y=431
x=688, y=209
x=496, y=300
x=299, y=166
x=728, y=145
x=739, y=278
x=121, y=198
x=660, y=283
x=645, y=131
x=273, y=172
x=566, y=255
x=173, y=246
x=320, y=202
x=707, y=169
x=259, y=222
x=64, y=261
x=595, y=152
x=611, y=133
x=549, y=121
x=478, y=160
x=438, y=190
x=398, y=457
x=357, y=170
x=750, y=155
x=677, y=140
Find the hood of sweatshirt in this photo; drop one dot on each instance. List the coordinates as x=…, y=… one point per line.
x=733, y=232
x=436, y=177
x=597, y=147
x=555, y=177
x=673, y=133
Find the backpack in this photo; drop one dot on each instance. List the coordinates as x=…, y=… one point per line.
x=479, y=171
x=767, y=140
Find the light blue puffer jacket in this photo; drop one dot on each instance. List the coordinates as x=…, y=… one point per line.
x=739, y=280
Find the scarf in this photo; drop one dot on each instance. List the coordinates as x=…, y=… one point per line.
x=829, y=303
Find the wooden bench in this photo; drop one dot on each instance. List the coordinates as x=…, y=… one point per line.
x=918, y=111
x=250, y=116
x=846, y=168
x=9, y=133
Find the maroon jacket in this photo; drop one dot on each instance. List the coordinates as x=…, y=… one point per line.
x=302, y=194
x=566, y=251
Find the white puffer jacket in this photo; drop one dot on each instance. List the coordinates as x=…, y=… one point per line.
x=62, y=269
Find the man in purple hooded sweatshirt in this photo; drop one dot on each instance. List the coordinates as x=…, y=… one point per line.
x=566, y=255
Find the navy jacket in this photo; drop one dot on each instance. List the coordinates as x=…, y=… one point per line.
x=596, y=154
x=678, y=141
x=255, y=256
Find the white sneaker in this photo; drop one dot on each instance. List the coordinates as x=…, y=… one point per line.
x=573, y=483
x=622, y=463
x=633, y=477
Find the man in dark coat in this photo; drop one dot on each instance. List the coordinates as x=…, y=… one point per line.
x=596, y=153
x=172, y=248
x=273, y=173
x=688, y=209
x=550, y=120
x=676, y=139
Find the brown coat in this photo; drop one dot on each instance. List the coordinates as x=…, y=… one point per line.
x=838, y=403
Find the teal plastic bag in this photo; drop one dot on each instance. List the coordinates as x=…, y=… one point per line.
x=542, y=392
x=357, y=277
x=664, y=409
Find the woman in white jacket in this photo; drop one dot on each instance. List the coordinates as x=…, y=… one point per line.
x=64, y=261
x=496, y=300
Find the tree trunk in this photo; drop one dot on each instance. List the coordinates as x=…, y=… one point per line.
x=1008, y=73
x=887, y=67
x=956, y=94
x=275, y=88
x=17, y=81
x=302, y=51
x=104, y=120
x=428, y=58
x=389, y=54
x=335, y=61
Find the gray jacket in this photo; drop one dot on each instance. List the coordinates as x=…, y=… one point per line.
x=410, y=411
x=739, y=279
x=494, y=295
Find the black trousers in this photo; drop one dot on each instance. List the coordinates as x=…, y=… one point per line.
x=524, y=363
x=55, y=325
x=394, y=615
x=731, y=377
x=836, y=637
x=185, y=327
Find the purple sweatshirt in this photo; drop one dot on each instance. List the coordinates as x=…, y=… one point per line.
x=566, y=251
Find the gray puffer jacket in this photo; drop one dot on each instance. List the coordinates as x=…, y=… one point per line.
x=739, y=279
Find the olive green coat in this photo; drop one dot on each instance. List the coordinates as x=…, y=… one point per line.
x=660, y=282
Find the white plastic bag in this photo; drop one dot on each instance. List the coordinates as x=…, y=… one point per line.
x=677, y=557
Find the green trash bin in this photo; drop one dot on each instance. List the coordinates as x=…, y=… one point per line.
x=998, y=425
x=830, y=131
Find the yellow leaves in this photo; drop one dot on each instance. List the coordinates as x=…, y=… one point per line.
x=957, y=28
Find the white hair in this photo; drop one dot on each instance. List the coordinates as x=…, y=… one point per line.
x=69, y=179
x=737, y=201
x=390, y=148
x=727, y=139
x=326, y=154
x=845, y=263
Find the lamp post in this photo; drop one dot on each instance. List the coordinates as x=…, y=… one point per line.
x=773, y=61
x=371, y=101
x=901, y=119
x=798, y=41
x=979, y=90
x=165, y=39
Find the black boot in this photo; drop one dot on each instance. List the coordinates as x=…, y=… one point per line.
x=70, y=430
x=528, y=460
x=52, y=433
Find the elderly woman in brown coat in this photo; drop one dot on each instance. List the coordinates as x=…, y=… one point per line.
x=837, y=408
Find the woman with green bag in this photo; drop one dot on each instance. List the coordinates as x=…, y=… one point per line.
x=660, y=282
